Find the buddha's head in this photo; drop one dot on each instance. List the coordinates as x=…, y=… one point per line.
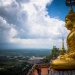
x=70, y=20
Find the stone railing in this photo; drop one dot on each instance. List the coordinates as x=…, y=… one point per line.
x=45, y=65
x=31, y=71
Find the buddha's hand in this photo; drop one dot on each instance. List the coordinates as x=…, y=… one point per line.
x=60, y=57
x=66, y=55
x=63, y=56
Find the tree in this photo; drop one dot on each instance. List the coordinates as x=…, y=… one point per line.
x=55, y=52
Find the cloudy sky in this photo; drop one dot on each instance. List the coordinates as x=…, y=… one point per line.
x=32, y=23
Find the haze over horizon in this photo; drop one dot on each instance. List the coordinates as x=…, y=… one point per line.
x=32, y=23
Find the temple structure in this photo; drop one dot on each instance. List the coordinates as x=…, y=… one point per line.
x=62, y=51
x=44, y=69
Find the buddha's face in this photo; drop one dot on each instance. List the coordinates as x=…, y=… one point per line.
x=68, y=24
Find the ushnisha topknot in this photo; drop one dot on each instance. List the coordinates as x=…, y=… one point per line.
x=71, y=14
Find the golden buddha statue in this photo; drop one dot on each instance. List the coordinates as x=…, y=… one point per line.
x=67, y=61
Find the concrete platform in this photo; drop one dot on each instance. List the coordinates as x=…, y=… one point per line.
x=61, y=72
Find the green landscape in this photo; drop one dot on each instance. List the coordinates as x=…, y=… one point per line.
x=16, y=62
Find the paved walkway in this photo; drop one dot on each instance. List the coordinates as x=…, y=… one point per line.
x=44, y=71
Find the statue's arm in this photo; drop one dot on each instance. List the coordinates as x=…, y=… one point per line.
x=73, y=46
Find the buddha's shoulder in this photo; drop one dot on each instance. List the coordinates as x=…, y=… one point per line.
x=71, y=35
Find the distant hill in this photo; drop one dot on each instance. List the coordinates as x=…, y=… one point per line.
x=27, y=52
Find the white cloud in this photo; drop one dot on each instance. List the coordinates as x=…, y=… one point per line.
x=6, y=31
x=34, y=43
x=33, y=26
x=41, y=25
x=12, y=32
x=5, y=2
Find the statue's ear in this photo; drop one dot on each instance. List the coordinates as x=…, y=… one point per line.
x=73, y=18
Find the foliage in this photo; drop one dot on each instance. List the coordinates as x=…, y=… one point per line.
x=55, y=52
x=17, y=69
